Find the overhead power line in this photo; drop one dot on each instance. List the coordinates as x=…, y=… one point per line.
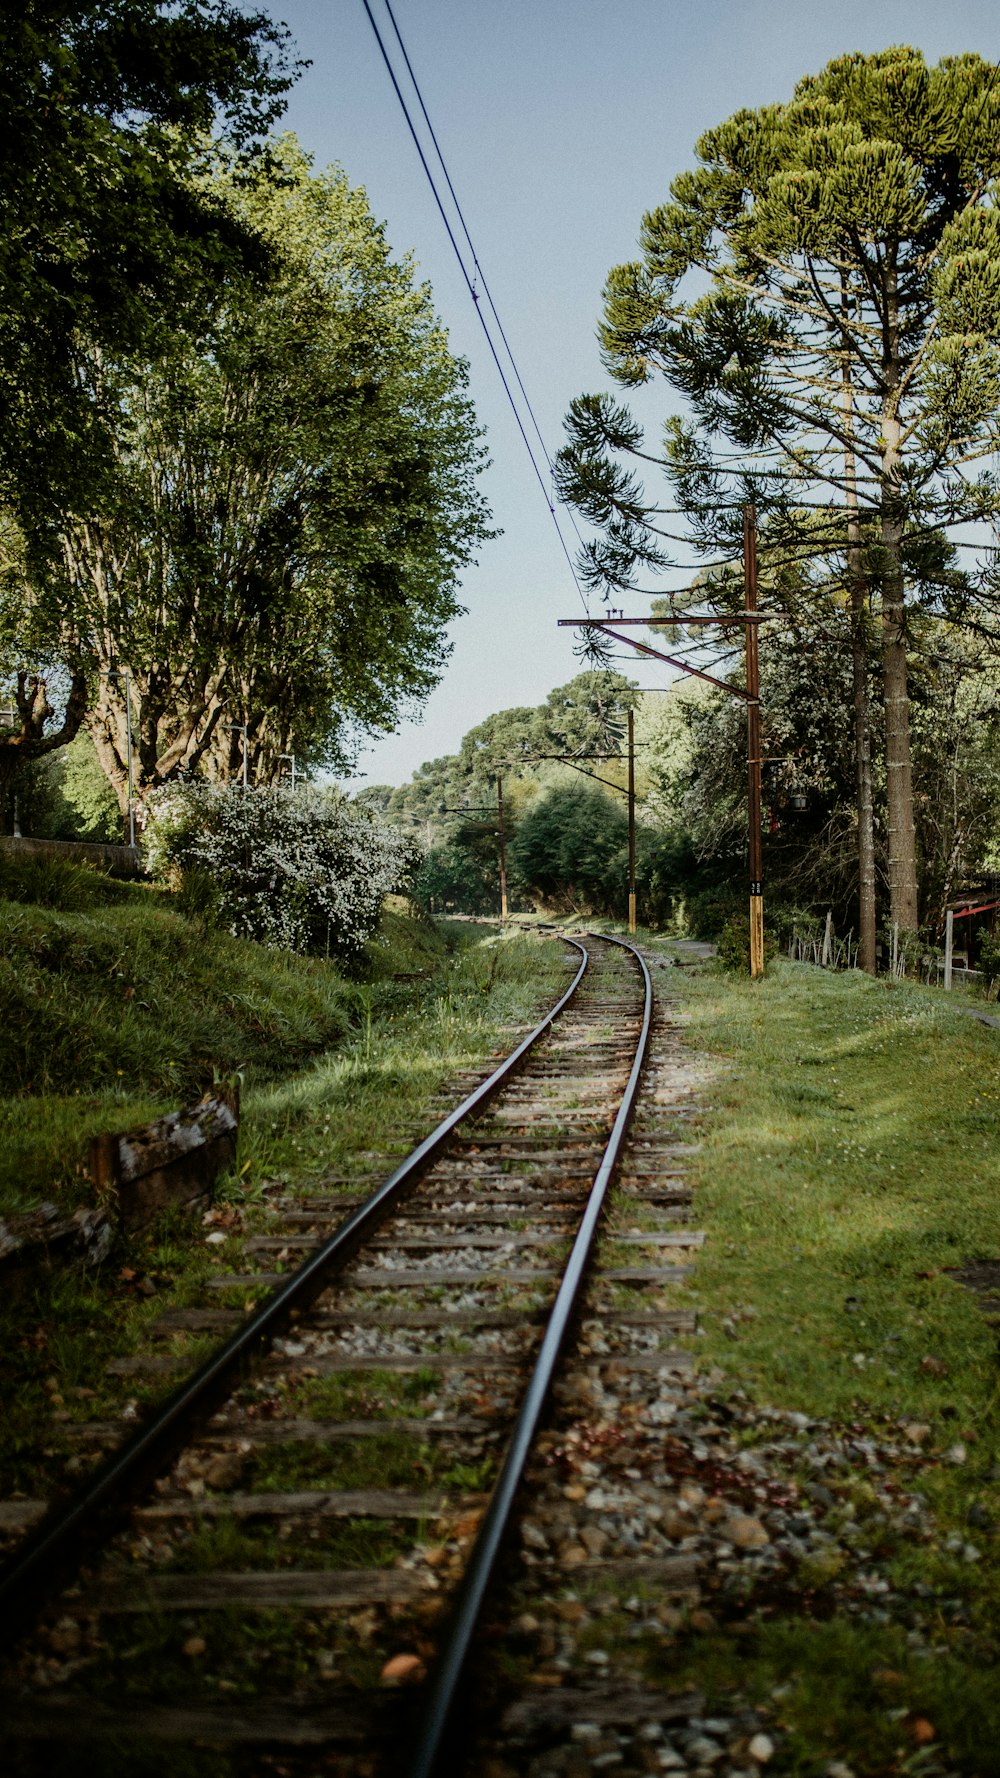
x=470, y=280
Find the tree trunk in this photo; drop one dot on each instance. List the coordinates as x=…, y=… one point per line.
x=863, y=770
x=858, y=586
x=899, y=778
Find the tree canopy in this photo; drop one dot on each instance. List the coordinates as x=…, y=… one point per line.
x=105, y=103
x=823, y=291
x=291, y=498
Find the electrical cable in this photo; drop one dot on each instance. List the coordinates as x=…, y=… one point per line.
x=472, y=292
x=481, y=275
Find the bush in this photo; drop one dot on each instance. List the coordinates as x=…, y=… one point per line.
x=303, y=870
x=734, y=946
x=989, y=958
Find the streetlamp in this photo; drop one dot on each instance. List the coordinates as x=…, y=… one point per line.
x=123, y=673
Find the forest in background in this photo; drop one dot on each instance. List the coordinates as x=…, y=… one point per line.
x=563, y=770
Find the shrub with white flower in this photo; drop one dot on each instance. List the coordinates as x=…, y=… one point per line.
x=304, y=869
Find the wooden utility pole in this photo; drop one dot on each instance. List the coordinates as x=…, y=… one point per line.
x=613, y=627
x=631, y=822
x=753, y=743
x=503, y=850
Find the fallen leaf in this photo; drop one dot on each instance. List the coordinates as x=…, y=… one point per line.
x=921, y=1731
x=403, y=1670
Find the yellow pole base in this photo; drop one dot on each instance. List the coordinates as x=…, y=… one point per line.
x=631, y=913
x=756, y=937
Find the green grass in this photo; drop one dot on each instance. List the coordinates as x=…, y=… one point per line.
x=117, y=1008
x=343, y=1113
x=849, y=1158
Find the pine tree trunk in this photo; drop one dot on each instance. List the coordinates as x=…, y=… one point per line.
x=899, y=778
x=859, y=665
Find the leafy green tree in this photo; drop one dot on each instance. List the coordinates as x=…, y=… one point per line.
x=454, y=877
x=292, y=501
x=568, y=850
x=524, y=745
x=843, y=337
x=104, y=232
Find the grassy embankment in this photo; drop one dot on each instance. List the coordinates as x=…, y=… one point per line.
x=850, y=1158
x=122, y=1008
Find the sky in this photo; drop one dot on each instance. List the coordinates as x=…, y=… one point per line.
x=561, y=121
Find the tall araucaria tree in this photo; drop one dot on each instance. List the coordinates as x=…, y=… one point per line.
x=842, y=335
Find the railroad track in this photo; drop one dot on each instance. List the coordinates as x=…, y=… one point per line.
x=301, y=1543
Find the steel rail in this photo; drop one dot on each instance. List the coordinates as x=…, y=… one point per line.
x=437, y=1733
x=52, y=1552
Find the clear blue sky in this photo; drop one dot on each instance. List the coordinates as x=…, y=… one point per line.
x=562, y=121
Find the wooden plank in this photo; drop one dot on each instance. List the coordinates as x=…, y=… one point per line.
x=195, y=1321
x=548, y=1710
x=685, y=1238
x=420, y=1318
x=674, y=1360
x=147, y=1364
x=318, y=1588
x=20, y=1515
x=325, y=1503
x=667, y=1576
x=328, y=1432
x=388, y=1278
x=226, y=1431
x=643, y=1274
x=329, y=1364
x=368, y=1717
x=208, y=1320
x=393, y=1243
x=679, y=1320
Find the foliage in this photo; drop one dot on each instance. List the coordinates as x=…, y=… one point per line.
x=301, y=870
x=733, y=946
x=841, y=333
x=66, y=796
x=525, y=745
x=988, y=962
x=847, y=1166
x=455, y=877
x=568, y=850
x=104, y=232
x=810, y=852
x=292, y=498
x=59, y=884
x=127, y=994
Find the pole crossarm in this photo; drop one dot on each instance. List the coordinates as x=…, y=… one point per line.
x=662, y=623
x=589, y=623
x=750, y=619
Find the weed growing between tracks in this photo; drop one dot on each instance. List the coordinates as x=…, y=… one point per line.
x=849, y=1160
